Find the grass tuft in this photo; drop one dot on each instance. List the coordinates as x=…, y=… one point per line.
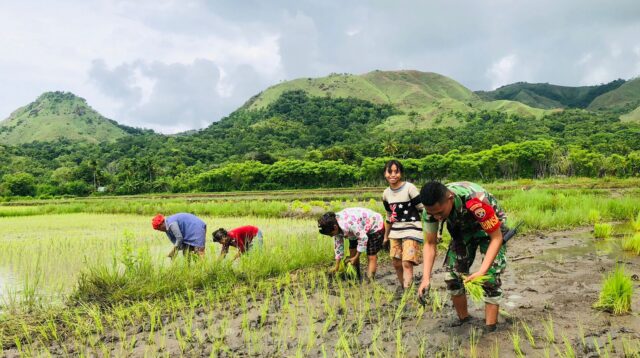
x=632, y=244
x=602, y=230
x=636, y=223
x=616, y=293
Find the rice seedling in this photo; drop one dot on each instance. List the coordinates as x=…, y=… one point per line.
x=495, y=349
x=632, y=244
x=616, y=293
x=602, y=230
x=515, y=339
x=549, y=330
x=399, y=346
x=473, y=343
x=568, y=348
x=596, y=345
x=630, y=347
x=529, y=334
x=475, y=289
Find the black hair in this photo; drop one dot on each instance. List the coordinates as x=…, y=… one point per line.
x=327, y=223
x=219, y=234
x=433, y=192
x=391, y=163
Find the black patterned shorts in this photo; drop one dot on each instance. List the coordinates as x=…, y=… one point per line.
x=374, y=242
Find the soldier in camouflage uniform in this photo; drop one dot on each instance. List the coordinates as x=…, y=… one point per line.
x=474, y=219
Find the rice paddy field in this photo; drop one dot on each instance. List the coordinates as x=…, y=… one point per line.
x=89, y=277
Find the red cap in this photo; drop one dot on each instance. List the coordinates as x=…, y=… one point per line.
x=157, y=221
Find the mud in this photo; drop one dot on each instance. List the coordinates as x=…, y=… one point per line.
x=550, y=277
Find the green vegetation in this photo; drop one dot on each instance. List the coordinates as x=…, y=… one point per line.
x=616, y=293
x=632, y=244
x=474, y=288
x=59, y=115
x=132, y=300
x=294, y=135
x=548, y=96
x=622, y=100
x=602, y=230
x=636, y=223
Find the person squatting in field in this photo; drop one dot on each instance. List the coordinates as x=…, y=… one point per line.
x=475, y=220
x=403, y=226
x=363, y=228
x=243, y=238
x=186, y=231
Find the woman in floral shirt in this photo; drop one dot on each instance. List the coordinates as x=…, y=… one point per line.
x=362, y=227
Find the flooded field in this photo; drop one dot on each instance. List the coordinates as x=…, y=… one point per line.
x=97, y=284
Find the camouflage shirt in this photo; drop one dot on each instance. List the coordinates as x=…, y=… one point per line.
x=474, y=210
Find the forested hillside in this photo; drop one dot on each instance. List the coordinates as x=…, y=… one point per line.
x=302, y=141
x=548, y=96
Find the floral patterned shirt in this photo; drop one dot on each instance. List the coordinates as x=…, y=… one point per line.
x=355, y=224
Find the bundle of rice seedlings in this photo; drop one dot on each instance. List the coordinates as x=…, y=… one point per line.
x=474, y=288
x=632, y=244
x=602, y=231
x=351, y=271
x=616, y=293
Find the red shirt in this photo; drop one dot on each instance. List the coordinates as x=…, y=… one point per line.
x=241, y=236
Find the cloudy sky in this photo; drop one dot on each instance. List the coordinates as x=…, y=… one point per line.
x=178, y=65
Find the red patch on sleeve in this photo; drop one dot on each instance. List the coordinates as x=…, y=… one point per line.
x=484, y=214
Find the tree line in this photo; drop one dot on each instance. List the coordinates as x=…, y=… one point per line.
x=302, y=142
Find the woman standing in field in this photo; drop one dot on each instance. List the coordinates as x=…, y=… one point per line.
x=186, y=231
x=242, y=238
x=403, y=226
x=363, y=228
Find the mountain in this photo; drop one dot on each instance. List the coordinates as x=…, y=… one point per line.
x=59, y=115
x=426, y=99
x=548, y=96
x=624, y=99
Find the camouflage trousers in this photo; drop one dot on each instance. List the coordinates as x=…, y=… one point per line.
x=460, y=257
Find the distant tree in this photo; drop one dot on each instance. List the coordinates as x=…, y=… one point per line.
x=20, y=184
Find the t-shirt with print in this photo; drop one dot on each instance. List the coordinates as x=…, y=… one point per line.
x=404, y=211
x=356, y=224
x=474, y=210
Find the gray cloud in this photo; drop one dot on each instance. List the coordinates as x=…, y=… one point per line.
x=173, y=65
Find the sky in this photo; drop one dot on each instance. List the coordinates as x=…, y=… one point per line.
x=176, y=65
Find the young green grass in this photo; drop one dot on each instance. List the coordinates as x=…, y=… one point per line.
x=636, y=223
x=475, y=289
x=632, y=244
x=495, y=349
x=515, y=339
x=529, y=333
x=616, y=293
x=473, y=342
x=549, y=330
x=602, y=230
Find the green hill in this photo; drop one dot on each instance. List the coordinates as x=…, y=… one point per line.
x=426, y=99
x=623, y=99
x=633, y=116
x=59, y=115
x=548, y=96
